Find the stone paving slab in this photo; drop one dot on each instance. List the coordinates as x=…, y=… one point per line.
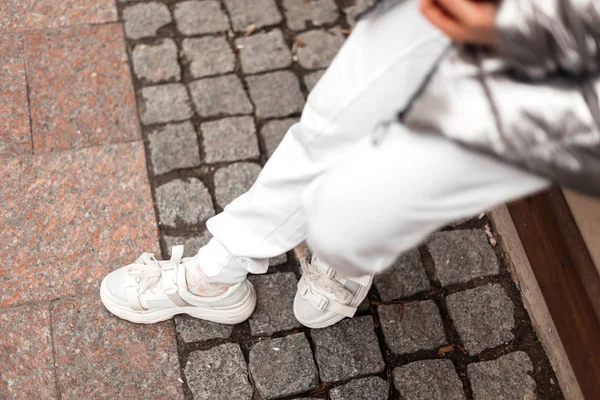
x=258, y=13
x=164, y=103
x=191, y=244
x=283, y=367
x=347, y=350
x=234, y=180
x=172, y=147
x=197, y=330
x=319, y=48
x=506, y=378
x=429, y=380
x=302, y=13
x=209, y=55
x=230, y=139
x=311, y=79
x=223, y=95
x=219, y=373
x=371, y=388
x=15, y=131
x=26, y=358
x=263, y=51
x=20, y=16
x=405, y=277
x=276, y=94
x=198, y=17
x=184, y=202
x=484, y=317
x=70, y=217
x=102, y=357
x=154, y=63
x=410, y=327
x=143, y=20
x=274, y=131
x=80, y=88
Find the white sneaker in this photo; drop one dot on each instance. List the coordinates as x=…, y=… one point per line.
x=150, y=291
x=325, y=297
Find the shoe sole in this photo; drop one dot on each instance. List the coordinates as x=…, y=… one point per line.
x=335, y=317
x=238, y=311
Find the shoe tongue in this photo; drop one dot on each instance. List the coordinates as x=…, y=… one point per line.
x=351, y=286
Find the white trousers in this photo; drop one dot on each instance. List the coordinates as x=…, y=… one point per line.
x=355, y=183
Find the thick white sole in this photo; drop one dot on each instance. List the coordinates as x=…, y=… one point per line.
x=234, y=306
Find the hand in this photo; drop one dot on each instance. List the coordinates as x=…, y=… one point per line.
x=467, y=21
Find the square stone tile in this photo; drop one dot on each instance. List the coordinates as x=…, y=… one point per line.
x=274, y=131
x=429, y=380
x=164, y=103
x=70, y=217
x=263, y=51
x=283, y=367
x=257, y=12
x=230, y=139
x=80, y=88
x=276, y=94
x=506, y=378
x=219, y=373
x=143, y=20
x=198, y=330
x=26, y=358
x=222, y=95
x=484, y=317
x=198, y=17
x=20, y=16
x=15, y=131
x=299, y=13
x=347, y=350
x=403, y=279
x=371, y=388
x=174, y=146
x=186, y=202
x=153, y=63
x=101, y=356
x=410, y=327
x=320, y=47
x=191, y=244
x=311, y=79
x=234, y=180
x=275, y=301
x=209, y=55
x=462, y=255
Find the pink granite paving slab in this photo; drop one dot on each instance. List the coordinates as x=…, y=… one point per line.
x=81, y=91
x=100, y=356
x=26, y=360
x=68, y=218
x=15, y=132
x=26, y=15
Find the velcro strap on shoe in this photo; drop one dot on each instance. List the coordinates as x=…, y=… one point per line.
x=131, y=291
x=336, y=307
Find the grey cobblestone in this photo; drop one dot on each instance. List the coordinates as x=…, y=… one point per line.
x=429, y=380
x=230, y=139
x=208, y=55
x=276, y=94
x=145, y=19
x=263, y=51
x=311, y=79
x=275, y=300
x=191, y=244
x=220, y=95
x=506, y=378
x=198, y=330
x=219, y=373
x=174, y=146
x=462, y=255
x=164, y=103
x=318, y=12
x=234, y=180
x=406, y=277
x=283, y=367
x=410, y=327
x=188, y=201
x=257, y=12
x=157, y=62
x=280, y=259
x=371, y=388
x=347, y=350
x=484, y=317
x=320, y=47
x=273, y=131
x=198, y=17
x=359, y=7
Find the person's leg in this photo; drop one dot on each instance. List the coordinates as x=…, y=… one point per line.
x=387, y=197
x=375, y=75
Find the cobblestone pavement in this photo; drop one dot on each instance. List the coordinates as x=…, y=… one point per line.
x=215, y=84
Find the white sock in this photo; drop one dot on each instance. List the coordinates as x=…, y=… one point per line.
x=200, y=284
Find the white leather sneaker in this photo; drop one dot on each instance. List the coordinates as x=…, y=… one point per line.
x=150, y=291
x=325, y=297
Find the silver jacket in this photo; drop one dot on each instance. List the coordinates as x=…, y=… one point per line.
x=532, y=100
